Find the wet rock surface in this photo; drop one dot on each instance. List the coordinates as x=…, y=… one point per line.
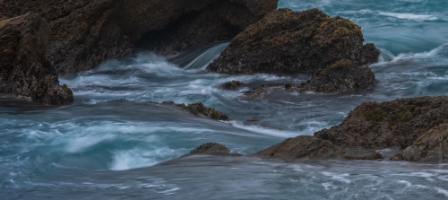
x=86, y=33
x=199, y=109
x=330, y=48
x=231, y=85
x=211, y=148
x=24, y=71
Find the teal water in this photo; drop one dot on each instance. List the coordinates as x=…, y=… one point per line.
x=112, y=143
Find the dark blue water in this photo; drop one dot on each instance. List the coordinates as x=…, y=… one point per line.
x=112, y=143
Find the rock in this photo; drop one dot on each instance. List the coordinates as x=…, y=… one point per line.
x=211, y=149
x=430, y=147
x=395, y=123
x=231, y=85
x=341, y=77
x=419, y=126
x=397, y=157
x=86, y=33
x=24, y=71
x=313, y=147
x=290, y=42
x=303, y=42
x=200, y=109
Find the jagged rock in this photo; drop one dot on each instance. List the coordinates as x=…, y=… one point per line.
x=430, y=147
x=88, y=32
x=388, y=124
x=313, y=147
x=231, y=85
x=24, y=71
x=200, y=109
x=303, y=42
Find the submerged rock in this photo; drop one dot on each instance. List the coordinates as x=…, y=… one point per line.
x=211, y=148
x=231, y=85
x=24, y=71
x=303, y=42
x=200, y=109
x=86, y=33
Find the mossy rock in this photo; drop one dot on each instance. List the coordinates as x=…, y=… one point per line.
x=285, y=41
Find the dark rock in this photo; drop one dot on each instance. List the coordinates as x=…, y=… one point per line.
x=86, y=33
x=24, y=71
x=341, y=77
x=388, y=124
x=211, y=149
x=200, y=109
x=303, y=42
x=231, y=85
x=291, y=42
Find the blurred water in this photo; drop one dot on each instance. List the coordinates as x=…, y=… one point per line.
x=112, y=143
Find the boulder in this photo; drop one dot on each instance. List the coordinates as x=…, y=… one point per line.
x=24, y=71
x=86, y=33
x=308, y=42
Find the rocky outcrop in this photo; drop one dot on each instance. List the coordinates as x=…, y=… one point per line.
x=24, y=71
x=418, y=126
x=86, y=33
x=393, y=123
x=303, y=42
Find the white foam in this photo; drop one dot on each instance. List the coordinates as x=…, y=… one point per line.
x=338, y=177
x=137, y=158
x=434, y=53
x=265, y=131
x=410, y=16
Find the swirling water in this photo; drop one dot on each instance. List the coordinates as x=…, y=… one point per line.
x=112, y=143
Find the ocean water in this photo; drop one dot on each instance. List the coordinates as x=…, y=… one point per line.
x=117, y=141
